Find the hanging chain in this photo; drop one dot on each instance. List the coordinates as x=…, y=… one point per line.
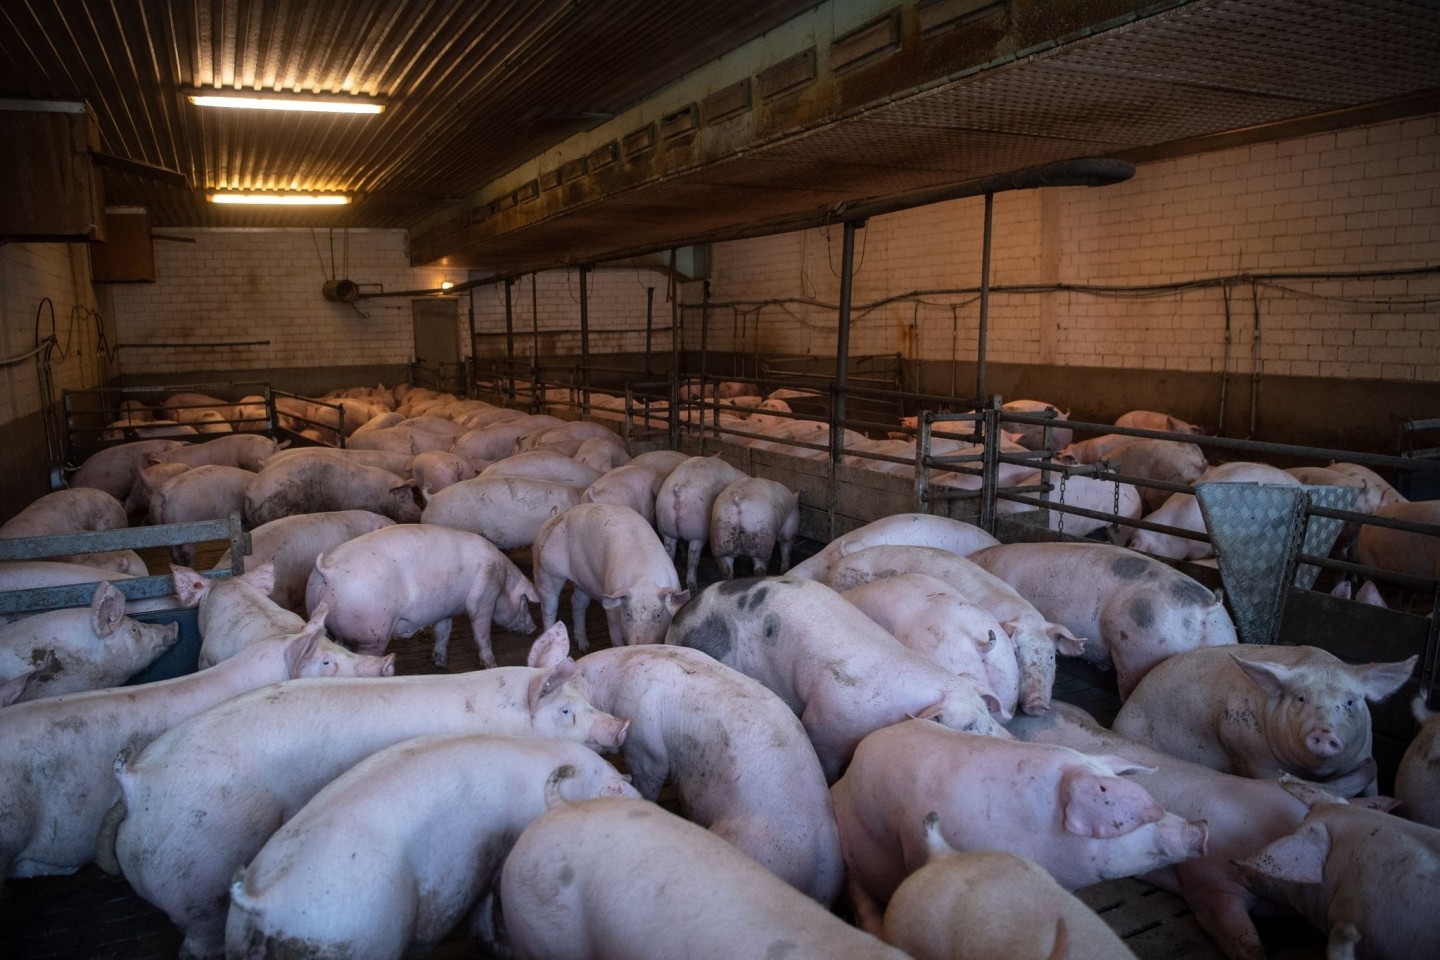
x=1060, y=528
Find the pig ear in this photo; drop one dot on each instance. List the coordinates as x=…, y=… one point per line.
x=992, y=702
x=1380, y=680
x=190, y=587
x=1271, y=678
x=302, y=647
x=1065, y=641
x=1418, y=710
x=675, y=599
x=612, y=601
x=547, y=684
x=1309, y=793
x=1105, y=807
x=930, y=712
x=14, y=688
x=1298, y=858
x=1341, y=590
x=261, y=577
x=550, y=648
x=1010, y=626
x=1382, y=804
x=1121, y=765
x=1370, y=594
x=107, y=609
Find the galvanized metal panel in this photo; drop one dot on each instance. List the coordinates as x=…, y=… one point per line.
x=1255, y=529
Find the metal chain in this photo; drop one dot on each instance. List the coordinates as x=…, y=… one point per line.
x=1060, y=527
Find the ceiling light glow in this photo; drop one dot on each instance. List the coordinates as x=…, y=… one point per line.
x=446, y=284
x=265, y=101
x=282, y=199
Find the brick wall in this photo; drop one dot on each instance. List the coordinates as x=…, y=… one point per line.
x=30, y=273
x=1365, y=199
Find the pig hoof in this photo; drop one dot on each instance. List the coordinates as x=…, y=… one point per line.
x=440, y=662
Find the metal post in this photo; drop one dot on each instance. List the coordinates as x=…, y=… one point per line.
x=704, y=356
x=990, y=465
x=584, y=378
x=674, y=288
x=922, y=453
x=842, y=364
x=649, y=326
x=534, y=345
x=984, y=299
x=509, y=339
x=470, y=360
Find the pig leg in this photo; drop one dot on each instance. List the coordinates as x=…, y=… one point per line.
x=480, y=607
x=1222, y=907
x=613, y=625
x=670, y=544
x=548, y=586
x=579, y=603
x=869, y=915
x=727, y=566
x=440, y=656
x=785, y=544
x=692, y=565
x=761, y=565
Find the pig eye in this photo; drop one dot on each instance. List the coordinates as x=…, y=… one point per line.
x=1301, y=698
x=1350, y=702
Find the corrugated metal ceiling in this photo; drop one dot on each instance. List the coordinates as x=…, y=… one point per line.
x=474, y=87
x=478, y=87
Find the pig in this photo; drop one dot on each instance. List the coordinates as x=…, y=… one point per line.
x=398, y=580
x=1096, y=448
x=543, y=465
x=899, y=529
x=1069, y=812
x=66, y=511
x=1035, y=638
x=1367, y=498
x=322, y=482
x=1133, y=611
x=932, y=618
x=209, y=421
x=1262, y=711
x=568, y=887
x=299, y=893
x=1183, y=510
x=507, y=511
x=1368, y=594
x=740, y=762
x=630, y=486
x=1086, y=493
x=237, y=612
x=251, y=415
x=38, y=574
x=840, y=672
x=147, y=429
x=57, y=757
x=203, y=493
x=577, y=430
x=435, y=470
x=396, y=463
x=1165, y=460
x=114, y=469
x=662, y=462
x=434, y=424
x=497, y=439
x=1417, y=781
x=182, y=816
x=1243, y=815
x=177, y=405
x=379, y=421
x=1154, y=420
x=963, y=906
x=602, y=454
x=245, y=451
x=749, y=518
x=1365, y=878
x=151, y=478
x=1400, y=551
x=484, y=418
x=96, y=646
x=611, y=553
x=684, y=504
x=400, y=439
x=1389, y=496
x=291, y=544
x=121, y=561
x=1032, y=436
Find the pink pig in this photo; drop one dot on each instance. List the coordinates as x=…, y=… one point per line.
x=1068, y=812
x=401, y=579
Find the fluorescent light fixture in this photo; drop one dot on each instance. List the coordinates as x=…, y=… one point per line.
x=286, y=101
x=446, y=284
x=281, y=199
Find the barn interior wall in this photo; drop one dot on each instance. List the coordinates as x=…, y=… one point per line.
x=1160, y=254
x=33, y=278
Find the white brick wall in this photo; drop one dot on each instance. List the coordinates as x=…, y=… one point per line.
x=1365, y=199
x=29, y=273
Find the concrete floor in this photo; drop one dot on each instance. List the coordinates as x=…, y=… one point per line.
x=91, y=916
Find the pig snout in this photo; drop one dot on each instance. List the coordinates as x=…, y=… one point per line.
x=1182, y=839
x=607, y=733
x=1324, y=743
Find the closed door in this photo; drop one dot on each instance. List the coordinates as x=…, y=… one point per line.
x=437, y=338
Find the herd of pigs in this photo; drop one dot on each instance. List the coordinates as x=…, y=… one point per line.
x=873, y=726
